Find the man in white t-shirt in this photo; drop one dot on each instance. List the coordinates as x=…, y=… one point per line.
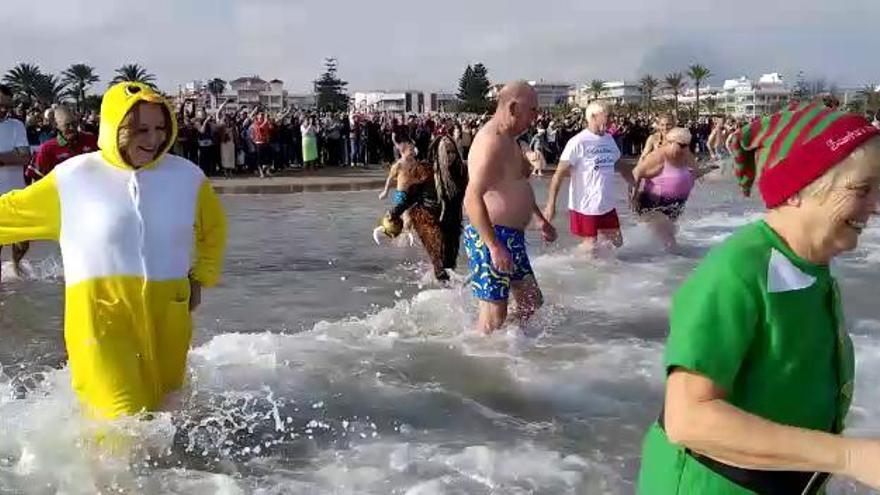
x=14, y=156
x=590, y=159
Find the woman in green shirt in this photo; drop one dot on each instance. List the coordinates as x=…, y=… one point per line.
x=760, y=367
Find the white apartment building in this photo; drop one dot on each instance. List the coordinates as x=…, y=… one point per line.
x=247, y=92
x=396, y=101
x=442, y=102
x=710, y=97
x=746, y=98
x=302, y=101
x=550, y=94
x=195, y=90
x=619, y=92
x=404, y=101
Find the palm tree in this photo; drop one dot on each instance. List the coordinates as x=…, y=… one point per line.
x=871, y=97
x=23, y=80
x=675, y=82
x=92, y=103
x=216, y=87
x=596, y=88
x=698, y=74
x=49, y=89
x=711, y=105
x=134, y=73
x=649, y=84
x=79, y=77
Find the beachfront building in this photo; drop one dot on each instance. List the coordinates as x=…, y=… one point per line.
x=195, y=91
x=550, y=94
x=442, y=102
x=620, y=92
x=399, y=101
x=746, y=98
x=711, y=99
x=248, y=92
x=302, y=101
x=404, y=101
x=848, y=95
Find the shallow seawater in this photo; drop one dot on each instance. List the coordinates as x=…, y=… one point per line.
x=327, y=365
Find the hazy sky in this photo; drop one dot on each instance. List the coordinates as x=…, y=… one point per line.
x=426, y=45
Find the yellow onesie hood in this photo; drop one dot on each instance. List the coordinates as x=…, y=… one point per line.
x=117, y=102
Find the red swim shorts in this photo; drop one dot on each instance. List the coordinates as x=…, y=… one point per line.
x=590, y=225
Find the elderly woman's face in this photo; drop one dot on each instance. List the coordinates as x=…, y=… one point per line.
x=843, y=212
x=678, y=149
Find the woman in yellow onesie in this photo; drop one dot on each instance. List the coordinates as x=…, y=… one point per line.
x=141, y=231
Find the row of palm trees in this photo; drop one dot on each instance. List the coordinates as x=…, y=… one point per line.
x=674, y=83
x=30, y=84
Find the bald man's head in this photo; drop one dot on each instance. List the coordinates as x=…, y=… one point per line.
x=516, y=90
x=517, y=106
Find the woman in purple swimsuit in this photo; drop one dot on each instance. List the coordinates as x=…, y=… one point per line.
x=664, y=181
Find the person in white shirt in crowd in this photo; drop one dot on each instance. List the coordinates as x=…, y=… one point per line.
x=590, y=158
x=15, y=154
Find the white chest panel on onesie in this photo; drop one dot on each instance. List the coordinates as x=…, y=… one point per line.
x=118, y=222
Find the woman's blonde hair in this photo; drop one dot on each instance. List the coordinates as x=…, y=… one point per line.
x=842, y=174
x=679, y=135
x=668, y=116
x=130, y=123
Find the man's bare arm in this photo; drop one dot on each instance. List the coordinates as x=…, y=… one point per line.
x=563, y=170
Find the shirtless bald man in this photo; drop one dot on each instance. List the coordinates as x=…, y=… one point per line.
x=500, y=203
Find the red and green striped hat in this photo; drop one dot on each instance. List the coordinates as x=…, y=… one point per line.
x=794, y=147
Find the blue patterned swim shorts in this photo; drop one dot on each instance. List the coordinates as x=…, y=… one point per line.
x=487, y=283
x=398, y=197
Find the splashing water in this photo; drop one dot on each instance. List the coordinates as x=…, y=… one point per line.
x=325, y=364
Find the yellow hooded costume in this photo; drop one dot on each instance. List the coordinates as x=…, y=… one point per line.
x=130, y=240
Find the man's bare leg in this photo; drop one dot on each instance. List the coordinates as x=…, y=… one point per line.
x=613, y=236
x=528, y=297
x=588, y=246
x=18, y=251
x=492, y=316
